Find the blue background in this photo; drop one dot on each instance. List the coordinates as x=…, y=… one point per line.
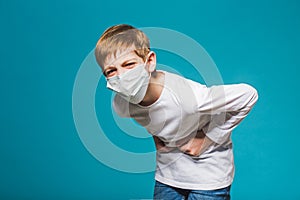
x=43, y=44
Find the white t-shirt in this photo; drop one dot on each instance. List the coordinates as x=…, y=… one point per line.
x=183, y=108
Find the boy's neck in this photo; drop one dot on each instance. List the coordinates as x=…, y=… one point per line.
x=155, y=88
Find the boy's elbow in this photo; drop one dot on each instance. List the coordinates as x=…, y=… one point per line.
x=255, y=94
x=251, y=93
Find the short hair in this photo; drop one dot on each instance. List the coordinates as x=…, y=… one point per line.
x=119, y=38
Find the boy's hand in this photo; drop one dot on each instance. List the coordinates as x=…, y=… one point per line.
x=160, y=145
x=196, y=145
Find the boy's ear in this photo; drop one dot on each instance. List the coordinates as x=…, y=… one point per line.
x=151, y=62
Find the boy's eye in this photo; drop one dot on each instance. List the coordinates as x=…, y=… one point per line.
x=129, y=64
x=110, y=72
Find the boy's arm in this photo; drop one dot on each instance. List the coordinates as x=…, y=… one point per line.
x=228, y=105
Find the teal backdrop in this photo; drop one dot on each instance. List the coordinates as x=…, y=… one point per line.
x=43, y=43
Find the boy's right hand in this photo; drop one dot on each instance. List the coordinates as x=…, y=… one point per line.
x=197, y=145
x=194, y=147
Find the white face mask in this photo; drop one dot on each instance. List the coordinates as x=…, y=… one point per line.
x=131, y=85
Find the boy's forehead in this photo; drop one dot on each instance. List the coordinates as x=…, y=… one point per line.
x=119, y=56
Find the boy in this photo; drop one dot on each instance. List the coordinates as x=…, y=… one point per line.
x=191, y=124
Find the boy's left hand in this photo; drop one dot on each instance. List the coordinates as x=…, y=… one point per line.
x=160, y=145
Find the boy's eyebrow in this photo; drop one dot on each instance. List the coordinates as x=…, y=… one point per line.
x=126, y=60
x=108, y=67
x=123, y=63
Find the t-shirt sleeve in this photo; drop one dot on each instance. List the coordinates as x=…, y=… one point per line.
x=121, y=106
x=227, y=105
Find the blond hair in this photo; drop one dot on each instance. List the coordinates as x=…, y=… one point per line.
x=119, y=38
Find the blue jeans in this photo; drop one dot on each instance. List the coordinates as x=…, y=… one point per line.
x=166, y=192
